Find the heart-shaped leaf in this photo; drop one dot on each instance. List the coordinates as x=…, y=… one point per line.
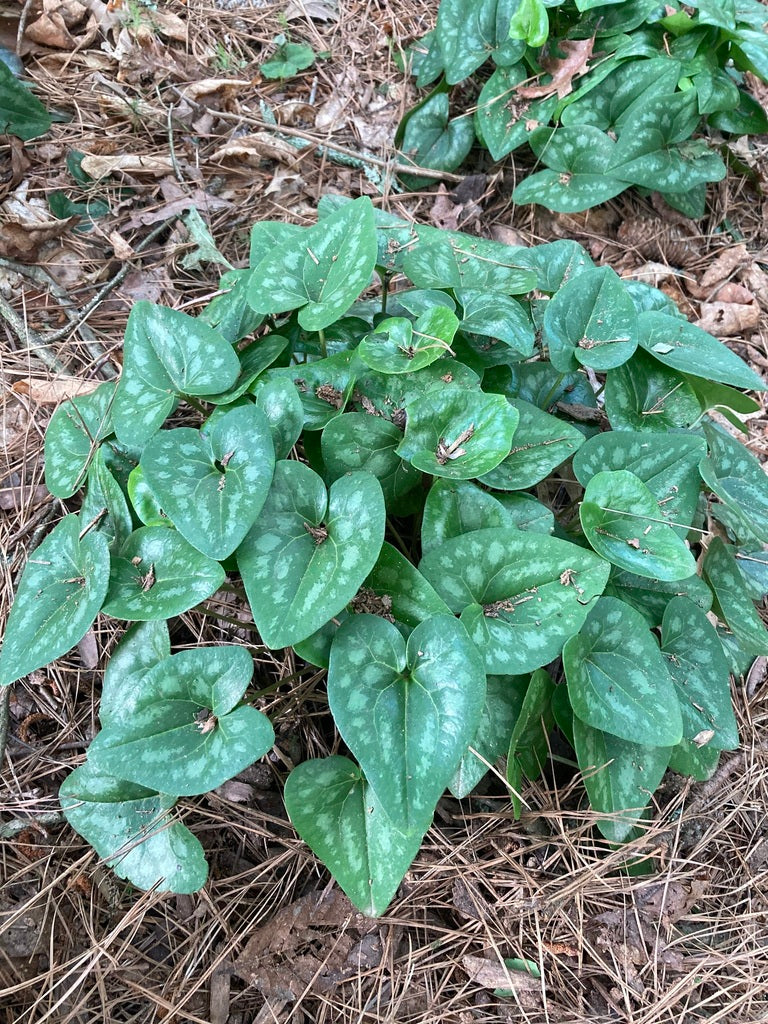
x=143, y=646
x=522, y=594
x=131, y=829
x=229, y=312
x=59, y=595
x=323, y=275
x=338, y=816
x=504, y=121
x=399, y=346
x=555, y=263
x=676, y=343
x=618, y=680
x=591, y=321
x=541, y=443
x=387, y=395
x=623, y=523
x=734, y=474
x=73, y=436
x=457, y=433
x=434, y=141
x=104, y=507
x=651, y=597
x=529, y=742
x=184, y=731
x=280, y=402
x=503, y=701
x=645, y=395
x=158, y=574
x=21, y=113
x=666, y=463
x=497, y=316
x=618, y=775
x=471, y=31
x=167, y=354
x=455, y=507
x=732, y=599
x=309, y=551
x=357, y=441
x=448, y=259
x=324, y=386
x=212, y=482
x=699, y=669
x=406, y=711
x=253, y=361
x=698, y=762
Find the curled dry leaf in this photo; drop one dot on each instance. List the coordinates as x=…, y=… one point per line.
x=493, y=974
x=252, y=149
x=727, y=319
x=210, y=89
x=127, y=163
x=26, y=225
x=725, y=264
x=573, y=62
x=52, y=392
x=62, y=25
x=651, y=273
x=756, y=279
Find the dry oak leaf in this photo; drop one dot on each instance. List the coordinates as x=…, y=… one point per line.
x=26, y=225
x=563, y=69
x=726, y=319
x=209, y=87
x=67, y=25
x=252, y=149
x=128, y=163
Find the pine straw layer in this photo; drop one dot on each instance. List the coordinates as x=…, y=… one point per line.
x=269, y=938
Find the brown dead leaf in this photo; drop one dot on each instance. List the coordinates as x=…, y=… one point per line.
x=724, y=265
x=88, y=649
x=493, y=974
x=663, y=240
x=126, y=163
x=26, y=225
x=668, y=901
x=12, y=499
x=123, y=251
x=756, y=279
x=210, y=89
x=52, y=392
x=727, y=319
x=507, y=235
x=62, y=25
x=252, y=149
x=169, y=25
x=445, y=211
x=576, y=54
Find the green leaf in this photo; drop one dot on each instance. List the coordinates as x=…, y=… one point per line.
x=399, y=581
x=618, y=775
x=229, y=312
x=732, y=599
x=324, y=386
x=309, y=551
x=667, y=464
x=185, y=731
x=651, y=597
x=398, y=346
x=357, y=441
x=205, y=250
x=618, y=680
x=158, y=574
x=754, y=569
x=143, y=646
x=503, y=701
x=132, y=830
x=677, y=343
x=167, y=354
x=213, y=482
x=699, y=669
x=727, y=401
x=269, y=235
x=579, y=158
x=338, y=816
x=497, y=316
x=21, y=113
x=456, y=507
x=699, y=762
x=144, y=501
x=529, y=742
x=645, y=395
x=72, y=437
x=253, y=361
x=470, y=31
x=556, y=263
x=504, y=121
x=448, y=259
x=288, y=60
x=281, y=404
x=104, y=505
x=426, y=59
x=622, y=521
x=591, y=321
x=541, y=443
x=522, y=594
x=406, y=711
x=457, y=433
x=737, y=478
x=59, y=595
x=434, y=141
x=62, y=207
x=748, y=118
x=324, y=275
x=530, y=22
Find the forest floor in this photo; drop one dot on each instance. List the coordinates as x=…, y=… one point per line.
x=170, y=109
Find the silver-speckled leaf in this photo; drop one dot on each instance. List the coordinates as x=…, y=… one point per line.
x=184, y=732
x=309, y=551
x=337, y=815
x=213, y=482
x=406, y=711
x=131, y=829
x=618, y=680
x=72, y=437
x=167, y=354
x=60, y=593
x=733, y=601
x=142, y=647
x=734, y=474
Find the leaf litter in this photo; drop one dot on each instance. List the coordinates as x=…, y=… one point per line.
x=690, y=941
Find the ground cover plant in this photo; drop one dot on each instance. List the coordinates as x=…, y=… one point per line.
x=490, y=502
x=608, y=95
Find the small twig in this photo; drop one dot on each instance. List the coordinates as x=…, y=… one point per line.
x=5, y=704
x=22, y=25
x=27, y=335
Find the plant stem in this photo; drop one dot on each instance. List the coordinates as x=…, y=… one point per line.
x=323, y=349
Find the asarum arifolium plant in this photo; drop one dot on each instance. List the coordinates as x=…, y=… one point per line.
x=608, y=94
x=490, y=503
